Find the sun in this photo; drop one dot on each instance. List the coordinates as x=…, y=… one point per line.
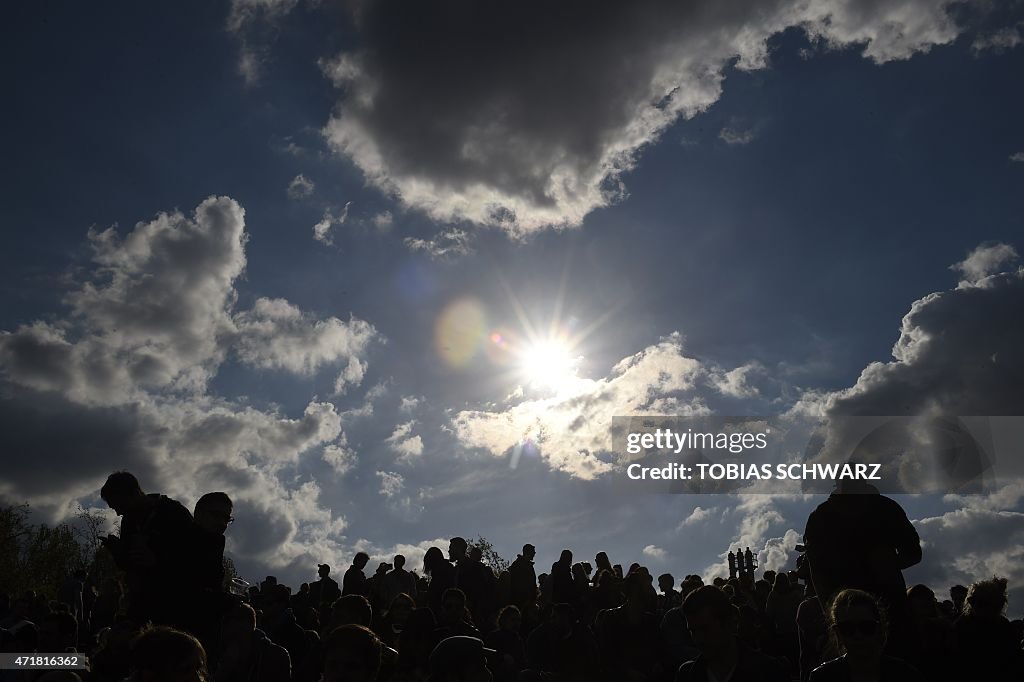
x=549, y=363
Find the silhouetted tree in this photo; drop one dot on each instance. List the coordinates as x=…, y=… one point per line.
x=490, y=555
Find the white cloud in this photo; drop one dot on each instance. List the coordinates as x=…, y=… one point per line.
x=409, y=403
x=382, y=221
x=391, y=483
x=1005, y=38
x=736, y=136
x=1017, y=157
x=450, y=242
x=571, y=427
x=482, y=154
x=735, y=382
x=404, y=442
x=322, y=231
x=655, y=553
x=985, y=260
x=300, y=187
x=352, y=375
x=339, y=457
x=697, y=516
x=277, y=335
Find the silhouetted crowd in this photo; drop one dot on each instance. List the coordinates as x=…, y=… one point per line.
x=843, y=613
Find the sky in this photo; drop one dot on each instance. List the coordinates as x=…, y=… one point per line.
x=384, y=272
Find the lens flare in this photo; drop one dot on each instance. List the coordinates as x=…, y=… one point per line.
x=459, y=330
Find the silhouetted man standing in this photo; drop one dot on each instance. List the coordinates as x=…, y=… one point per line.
x=524, y=579
x=354, y=581
x=154, y=549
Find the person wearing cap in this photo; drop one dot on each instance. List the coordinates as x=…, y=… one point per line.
x=460, y=659
x=324, y=591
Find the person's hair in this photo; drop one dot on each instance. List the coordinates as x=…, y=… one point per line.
x=161, y=649
x=120, y=484
x=214, y=499
x=432, y=558
x=920, y=592
x=714, y=600
x=781, y=581
x=849, y=598
x=454, y=593
x=402, y=598
x=356, y=607
x=399, y=561
x=241, y=611
x=361, y=556
x=667, y=578
x=991, y=593
x=358, y=639
x=459, y=542
x=958, y=589
x=506, y=613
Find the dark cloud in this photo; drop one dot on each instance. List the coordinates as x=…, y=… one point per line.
x=525, y=114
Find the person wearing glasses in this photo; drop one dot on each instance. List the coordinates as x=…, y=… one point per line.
x=859, y=627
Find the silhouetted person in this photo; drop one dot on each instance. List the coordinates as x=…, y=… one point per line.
x=354, y=581
x=454, y=618
x=523, y=584
x=155, y=550
x=562, y=584
x=459, y=659
x=858, y=538
x=247, y=654
x=212, y=516
x=934, y=640
x=442, y=577
x=988, y=646
x=71, y=594
x=398, y=581
x=713, y=623
x=668, y=598
x=506, y=641
x=324, y=591
x=352, y=653
x=561, y=646
x=417, y=640
x=859, y=624
x=958, y=595
x=163, y=653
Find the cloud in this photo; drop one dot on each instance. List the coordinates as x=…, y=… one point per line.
x=999, y=40
x=735, y=382
x=403, y=442
x=125, y=374
x=409, y=403
x=985, y=260
x=300, y=187
x=1017, y=157
x=382, y=221
x=525, y=124
x=391, y=483
x=736, y=136
x=571, y=428
x=155, y=313
x=656, y=553
x=340, y=458
x=450, y=242
x=697, y=516
x=277, y=335
x=955, y=352
x=322, y=230
x=352, y=375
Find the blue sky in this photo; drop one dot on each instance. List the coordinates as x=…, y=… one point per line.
x=726, y=208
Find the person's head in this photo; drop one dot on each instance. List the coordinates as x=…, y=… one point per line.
x=399, y=561
x=565, y=557
x=781, y=582
x=453, y=606
x=323, y=570
x=352, y=609
x=510, y=618
x=163, y=654
x=529, y=551
x=432, y=558
x=400, y=608
x=213, y=512
x=712, y=619
x=602, y=562
x=769, y=576
x=922, y=602
x=122, y=493
x=352, y=653
x=459, y=659
x=579, y=572
x=239, y=623
x=360, y=560
x=563, y=620
x=987, y=598
x=382, y=568
x=475, y=553
x=958, y=594
x=457, y=548
x=666, y=582
x=858, y=623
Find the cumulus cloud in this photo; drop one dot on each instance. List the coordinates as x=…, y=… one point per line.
x=985, y=260
x=339, y=456
x=277, y=335
x=735, y=382
x=504, y=138
x=391, y=483
x=655, y=553
x=409, y=403
x=1005, y=38
x=736, y=136
x=955, y=353
x=697, y=516
x=404, y=442
x=352, y=375
x=125, y=373
x=300, y=187
x=571, y=428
